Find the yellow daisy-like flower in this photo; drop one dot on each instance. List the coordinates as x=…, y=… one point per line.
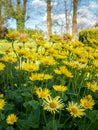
x=63, y=70
x=11, y=119
x=87, y=102
x=60, y=88
x=53, y=105
x=2, y=104
x=95, y=63
x=42, y=93
x=30, y=67
x=2, y=66
x=47, y=61
x=92, y=86
x=9, y=58
x=75, y=109
x=21, y=51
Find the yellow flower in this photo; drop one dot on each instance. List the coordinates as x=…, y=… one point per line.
x=11, y=119
x=53, y=104
x=92, y=86
x=87, y=102
x=66, y=72
x=63, y=70
x=30, y=67
x=95, y=63
x=34, y=77
x=75, y=109
x=21, y=51
x=47, y=76
x=29, y=56
x=1, y=95
x=47, y=61
x=9, y=58
x=2, y=66
x=57, y=71
x=13, y=35
x=60, y=88
x=2, y=104
x=42, y=93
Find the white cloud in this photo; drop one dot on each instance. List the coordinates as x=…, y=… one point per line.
x=39, y=3
x=58, y=17
x=86, y=16
x=93, y=4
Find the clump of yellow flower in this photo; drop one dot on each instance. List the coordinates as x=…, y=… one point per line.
x=53, y=105
x=11, y=119
x=92, y=86
x=42, y=93
x=60, y=88
x=75, y=109
x=87, y=102
x=63, y=70
x=74, y=64
x=40, y=76
x=2, y=104
x=2, y=66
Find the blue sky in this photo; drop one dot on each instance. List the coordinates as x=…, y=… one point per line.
x=36, y=9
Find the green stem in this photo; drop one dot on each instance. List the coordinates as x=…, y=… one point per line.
x=53, y=121
x=44, y=117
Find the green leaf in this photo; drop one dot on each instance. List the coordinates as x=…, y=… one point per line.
x=92, y=115
x=2, y=116
x=33, y=103
x=52, y=125
x=10, y=128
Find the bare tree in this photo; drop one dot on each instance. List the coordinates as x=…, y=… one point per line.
x=49, y=19
x=74, y=18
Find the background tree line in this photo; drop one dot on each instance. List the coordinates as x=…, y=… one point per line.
x=17, y=9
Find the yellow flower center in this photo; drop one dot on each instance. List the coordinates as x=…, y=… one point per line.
x=74, y=110
x=86, y=104
x=53, y=105
x=43, y=94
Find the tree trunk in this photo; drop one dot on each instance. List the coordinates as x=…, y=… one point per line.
x=66, y=18
x=49, y=19
x=74, y=19
x=1, y=18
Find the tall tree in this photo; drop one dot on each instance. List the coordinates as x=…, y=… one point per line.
x=49, y=19
x=74, y=18
x=16, y=10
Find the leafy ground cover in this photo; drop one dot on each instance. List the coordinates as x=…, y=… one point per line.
x=48, y=85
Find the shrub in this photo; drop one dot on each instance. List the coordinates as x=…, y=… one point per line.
x=88, y=35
